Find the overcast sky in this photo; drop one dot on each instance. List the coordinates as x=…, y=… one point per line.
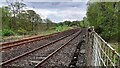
x=58, y=11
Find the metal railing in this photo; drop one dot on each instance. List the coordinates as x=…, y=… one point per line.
x=103, y=55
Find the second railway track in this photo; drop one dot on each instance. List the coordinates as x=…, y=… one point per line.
x=36, y=48
x=8, y=45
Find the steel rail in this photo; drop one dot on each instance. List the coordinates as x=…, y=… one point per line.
x=50, y=55
x=36, y=49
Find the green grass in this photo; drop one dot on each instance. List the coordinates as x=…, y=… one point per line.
x=47, y=32
x=55, y=30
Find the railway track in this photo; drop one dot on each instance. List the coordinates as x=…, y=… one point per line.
x=27, y=53
x=15, y=51
x=8, y=45
x=63, y=58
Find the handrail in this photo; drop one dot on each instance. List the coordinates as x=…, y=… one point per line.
x=102, y=53
x=108, y=45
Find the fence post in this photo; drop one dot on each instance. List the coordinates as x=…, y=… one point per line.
x=89, y=47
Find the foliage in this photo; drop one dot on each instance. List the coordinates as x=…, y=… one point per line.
x=69, y=23
x=84, y=23
x=48, y=23
x=7, y=32
x=59, y=28
x=0, y=32
x=21, y=31
x=104, y=17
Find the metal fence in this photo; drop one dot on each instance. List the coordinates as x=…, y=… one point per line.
x=103, y=55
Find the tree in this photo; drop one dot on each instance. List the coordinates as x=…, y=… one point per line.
x=48, y=23
x=104, y=17
x=6, y=16
x=15, y=8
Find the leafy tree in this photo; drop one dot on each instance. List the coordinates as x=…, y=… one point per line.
x=5, y=17
x=48, y=23
x=15, y=8
x=104, y=17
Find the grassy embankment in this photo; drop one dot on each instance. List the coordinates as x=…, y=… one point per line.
x=46, y=32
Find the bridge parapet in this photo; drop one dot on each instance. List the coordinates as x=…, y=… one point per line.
x=102, y=53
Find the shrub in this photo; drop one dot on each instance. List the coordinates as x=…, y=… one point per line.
x=7, y=32
x=59, y=28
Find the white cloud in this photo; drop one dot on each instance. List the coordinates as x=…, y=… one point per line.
x=0, y=5
x=58, y=15
x=48, y=0
x=44, y=13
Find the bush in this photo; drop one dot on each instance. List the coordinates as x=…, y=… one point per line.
x=7, y=32
x=59, y=28
x=21, y=31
